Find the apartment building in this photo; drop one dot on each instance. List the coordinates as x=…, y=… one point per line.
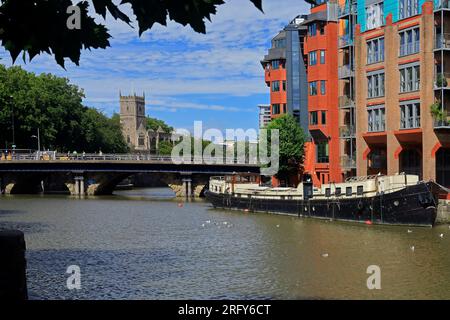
x=402, y=91
x=285, y=73
x=321, y=47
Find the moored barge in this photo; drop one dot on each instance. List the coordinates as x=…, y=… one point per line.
x=391, y=200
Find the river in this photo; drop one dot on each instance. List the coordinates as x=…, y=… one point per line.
x=143, y=244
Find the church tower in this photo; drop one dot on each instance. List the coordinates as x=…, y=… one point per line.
x=133, y=121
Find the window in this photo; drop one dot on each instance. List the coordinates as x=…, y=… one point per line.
x=322, y=28
x=323, y=87
x=328, y=192
x=323, y=115
x=284, y=85
x=376, y=119
x=375, y=85
x=284, y=107
x=375, y=15
x=280, y=43
x=275, y=64
x=276, y=108
x=410, y=78
x=275, y=86
x=408, y=8
x=348, y=191
x=313, y=88
x=410, y=115
x=409, y=41
x=322, y=56
x=312, y=30
x=314, y=118
x=375, y=50
x=322, y=152
x=338, y=191
x=360, y=190
x=313, y=58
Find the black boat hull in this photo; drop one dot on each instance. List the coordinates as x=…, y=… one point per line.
x=413, y=206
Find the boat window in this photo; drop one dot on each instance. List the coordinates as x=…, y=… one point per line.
x=338, y=191
x=349, y=191
x=328, y=192
x=360, y=190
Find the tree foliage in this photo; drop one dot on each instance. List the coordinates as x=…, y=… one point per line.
x=36, y=26
x=154, y=124
x=53, y=105
x=292, y=140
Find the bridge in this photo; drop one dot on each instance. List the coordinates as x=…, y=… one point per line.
x=98, y=174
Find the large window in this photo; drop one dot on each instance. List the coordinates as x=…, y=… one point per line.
x=313, y=58
x=375, y=85
x=410, y=78
x=314, y=118
x=275, y=64
x=323, y=87
x=322, y=152
x=312, y=29
x=280, y=43
x=284, y=85
x=313, y=88
x=275, y=86
x=375, y=15
x=375, y=50
x=410, y=115
x=276, y=108
x=376, y=119
x=322, y=56
x=408, y=8
x=409, y=41
x=323, y=115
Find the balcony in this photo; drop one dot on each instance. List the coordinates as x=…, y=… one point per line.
x=441, y=4
x=347, y=132
x=345, y=71
x=348, y=162
x=345, y=102
x=442, y=41
x=441, y=116
x=442, y=80
x=345, y=41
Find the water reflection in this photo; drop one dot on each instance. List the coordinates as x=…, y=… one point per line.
x=142, y=244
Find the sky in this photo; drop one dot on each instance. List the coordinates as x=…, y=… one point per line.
x=215, y=78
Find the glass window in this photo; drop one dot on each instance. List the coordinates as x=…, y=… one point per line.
x=314, y=118
x=313, y=88
x=313, y=58
x=284, y=85
x=375, y=85
x=409, y=41
x=323, y=87
x=410, y=116
x=376, y=119
x=338, y=191
x=276, y=108
x=375, y=50
x=408, y=8
x=275, y=86
x=410, y=78
x=275, y=64
x=375, y=15
x=312, y=29
x=328, y=192
x=348, y=191
x=322, y=56
x=322, y=152
x=323, y=115
x=360, y=190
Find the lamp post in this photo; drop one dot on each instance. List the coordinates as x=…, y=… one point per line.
x=12, y=121
x=38, y=137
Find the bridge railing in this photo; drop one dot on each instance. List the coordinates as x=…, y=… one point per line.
x=52, y=156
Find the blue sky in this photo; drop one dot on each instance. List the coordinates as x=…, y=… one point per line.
x=215, y=78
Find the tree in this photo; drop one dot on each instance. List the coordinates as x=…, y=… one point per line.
x=292, y=140
x=29, y=101
x=165, y=148
x=33, y=27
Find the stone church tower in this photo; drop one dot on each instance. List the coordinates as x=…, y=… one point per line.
x=133, y=121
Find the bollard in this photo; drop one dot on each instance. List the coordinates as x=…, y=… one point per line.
x=13, y=280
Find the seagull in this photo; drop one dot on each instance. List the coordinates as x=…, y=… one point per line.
x=409, y=231
x=441, y=235
x=203, y=225
x=412, y=248
x=208, y=221
x=325, y=255
x=278, y=225
x=225, y=222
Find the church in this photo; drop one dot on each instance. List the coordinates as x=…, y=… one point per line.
x=134, y=126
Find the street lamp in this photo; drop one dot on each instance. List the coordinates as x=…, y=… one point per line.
x=12, y=121
x=38, y=137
